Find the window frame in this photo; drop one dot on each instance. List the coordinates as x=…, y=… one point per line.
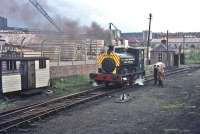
x=11, y=65
x=160, y=56
x=42, y=64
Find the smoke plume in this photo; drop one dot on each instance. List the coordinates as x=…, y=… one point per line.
x=23, y=11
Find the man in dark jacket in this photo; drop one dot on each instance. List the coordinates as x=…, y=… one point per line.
x=155, y=74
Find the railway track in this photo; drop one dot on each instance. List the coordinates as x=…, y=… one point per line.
x=170, y=72
x=16, y=117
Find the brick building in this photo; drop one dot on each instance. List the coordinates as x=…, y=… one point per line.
x=160, y=53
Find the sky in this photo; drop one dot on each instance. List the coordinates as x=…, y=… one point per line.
x=132, y=15
x=129, y=15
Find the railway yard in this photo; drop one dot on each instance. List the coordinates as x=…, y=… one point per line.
x=68, y=68
x=150, y=109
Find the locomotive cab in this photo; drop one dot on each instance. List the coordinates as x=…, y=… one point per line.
x=131, y=59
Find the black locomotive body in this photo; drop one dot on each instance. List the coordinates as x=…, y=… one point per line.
x=123, y=65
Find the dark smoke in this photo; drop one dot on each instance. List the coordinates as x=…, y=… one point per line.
x=22, y=10
x=97, y=31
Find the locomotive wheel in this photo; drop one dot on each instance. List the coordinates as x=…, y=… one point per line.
x=107, y=84
x=131, y=81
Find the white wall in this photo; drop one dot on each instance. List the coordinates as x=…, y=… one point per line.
x=11, y=82
x=42, y=76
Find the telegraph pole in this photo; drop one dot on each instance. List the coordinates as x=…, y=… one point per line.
x=183, y=47
x=42, y=47
x=168, y=60
x=148, y=41
x=22, y=42
x=183, y=42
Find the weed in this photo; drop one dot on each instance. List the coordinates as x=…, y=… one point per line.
x=70, y=84
x=4, y=104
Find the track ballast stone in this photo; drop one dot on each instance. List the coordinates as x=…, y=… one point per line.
x=174, y=109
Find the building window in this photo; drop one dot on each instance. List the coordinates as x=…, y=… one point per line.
x=11, y=65
x=42, y=64
x=159, y=56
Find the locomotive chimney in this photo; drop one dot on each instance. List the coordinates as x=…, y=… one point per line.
x=110, y=49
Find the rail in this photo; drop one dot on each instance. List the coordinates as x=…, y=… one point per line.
x=17, y=117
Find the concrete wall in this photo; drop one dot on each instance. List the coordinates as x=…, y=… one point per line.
x=67, y=63
x=69, y=70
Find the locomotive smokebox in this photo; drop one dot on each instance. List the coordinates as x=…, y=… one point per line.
x=108, y=65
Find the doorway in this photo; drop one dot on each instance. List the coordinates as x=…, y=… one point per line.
x=176, y=60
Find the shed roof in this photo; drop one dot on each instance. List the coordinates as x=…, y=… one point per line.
x=178, y=40
x=162, y=47
x=23, y=58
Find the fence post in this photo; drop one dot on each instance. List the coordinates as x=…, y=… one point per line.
x=59, y=52
x=85, y=54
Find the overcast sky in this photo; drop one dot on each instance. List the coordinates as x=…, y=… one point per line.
x=127, y=15
x=132, y=15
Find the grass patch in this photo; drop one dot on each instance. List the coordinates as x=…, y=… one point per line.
x=193, y=57
x=5, y=104
x=70, y=84
x=173, y=105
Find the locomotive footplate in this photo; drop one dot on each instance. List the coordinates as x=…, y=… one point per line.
x=106, y=77
x=115, y=78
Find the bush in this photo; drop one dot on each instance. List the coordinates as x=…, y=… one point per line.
x=193, y=57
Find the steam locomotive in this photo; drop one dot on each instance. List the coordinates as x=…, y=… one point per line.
x=119, y=65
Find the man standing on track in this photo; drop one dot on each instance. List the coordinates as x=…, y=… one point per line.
x=155, y=74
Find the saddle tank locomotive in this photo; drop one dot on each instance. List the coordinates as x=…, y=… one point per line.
x=119, y=65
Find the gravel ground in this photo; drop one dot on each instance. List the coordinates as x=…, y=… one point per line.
x=174, y=109
x=16, y=101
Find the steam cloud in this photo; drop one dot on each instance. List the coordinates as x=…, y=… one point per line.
x=22, y=10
